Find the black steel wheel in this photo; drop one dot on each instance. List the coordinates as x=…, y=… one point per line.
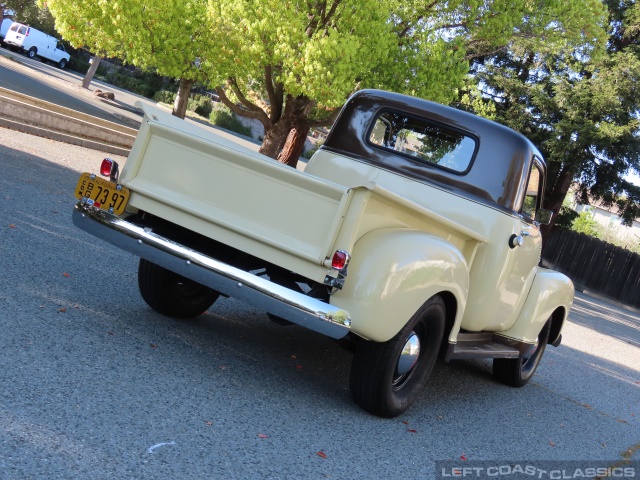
x=171, y=294
x=386, y=378
x=516, y=372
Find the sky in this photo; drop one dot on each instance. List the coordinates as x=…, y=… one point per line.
x=633, y=178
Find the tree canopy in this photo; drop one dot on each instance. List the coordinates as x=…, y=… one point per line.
x=292, y=63
x=168, y=37
x=580, y=107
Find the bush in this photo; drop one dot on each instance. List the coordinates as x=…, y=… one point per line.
x=164, y=96
x=142, y=83
x=229, y=121
x=201, y=105
x=585, y=223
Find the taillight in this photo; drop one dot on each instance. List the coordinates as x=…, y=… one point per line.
x=106, y=167
x=340, y=260
x=28, y=30
x=109, y=168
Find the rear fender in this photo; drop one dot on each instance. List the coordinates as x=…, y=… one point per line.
x=551, y=294
x=392, y=273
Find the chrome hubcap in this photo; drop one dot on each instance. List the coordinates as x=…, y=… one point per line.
x=409, y=355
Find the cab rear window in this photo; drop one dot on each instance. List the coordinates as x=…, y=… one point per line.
x=423, y=140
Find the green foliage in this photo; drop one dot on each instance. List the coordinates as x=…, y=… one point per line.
x=201, y=105
x=154, y=34
x=586, y=224
x=228, y=120
x=164, y=96
x=565, y=217
x=142, y=83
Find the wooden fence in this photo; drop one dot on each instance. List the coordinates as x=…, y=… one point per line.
x=594, y=265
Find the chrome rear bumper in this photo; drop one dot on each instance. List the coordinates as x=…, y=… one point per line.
x=296, y=307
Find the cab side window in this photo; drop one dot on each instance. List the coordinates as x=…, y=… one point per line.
x=530, y=205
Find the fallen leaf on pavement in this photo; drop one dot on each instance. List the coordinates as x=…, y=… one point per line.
x=153, y=346
x=262, y=435
x=463, y=457
x=62, y=310
x=208, y=423
x=412, y=430
x=552, y=444
x=65, y=274
x=11, y=225
x=321, y=454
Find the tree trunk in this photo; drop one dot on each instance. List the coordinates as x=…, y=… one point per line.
x=294, y=116
x=556, y=196
x=91, y=72
x=182, y=98
x=294, y=145
x=274, y=139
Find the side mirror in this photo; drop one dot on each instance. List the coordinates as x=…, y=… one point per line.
x=543, y=216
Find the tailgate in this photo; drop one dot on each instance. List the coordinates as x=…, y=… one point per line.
x=199, y=180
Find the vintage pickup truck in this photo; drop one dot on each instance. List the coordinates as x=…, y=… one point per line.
x=413, y=233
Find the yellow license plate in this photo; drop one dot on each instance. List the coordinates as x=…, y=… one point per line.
x=102, y=193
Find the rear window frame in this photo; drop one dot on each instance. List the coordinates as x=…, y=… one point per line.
x=427, y=122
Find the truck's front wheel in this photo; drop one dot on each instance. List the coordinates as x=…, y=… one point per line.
x=386, y=378
x=516, y=372
x=171, y=294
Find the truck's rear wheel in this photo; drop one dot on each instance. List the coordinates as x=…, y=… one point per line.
x=386, y=378
x=33, y=51
x=516, y=372
x=171, y=294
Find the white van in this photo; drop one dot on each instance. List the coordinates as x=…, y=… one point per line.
x=4, y=28
x=36, y=43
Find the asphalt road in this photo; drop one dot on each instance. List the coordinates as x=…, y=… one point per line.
x=47, y=82
x=94, y=384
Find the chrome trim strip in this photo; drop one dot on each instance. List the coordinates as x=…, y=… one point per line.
x=296, y=307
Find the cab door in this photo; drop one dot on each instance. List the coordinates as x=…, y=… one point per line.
x=505, y=269
x=527, y=246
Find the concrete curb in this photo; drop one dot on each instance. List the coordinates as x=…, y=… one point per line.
x=61, y=137
x=28, y=114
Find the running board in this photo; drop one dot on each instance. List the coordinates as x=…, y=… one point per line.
x=486, y=345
